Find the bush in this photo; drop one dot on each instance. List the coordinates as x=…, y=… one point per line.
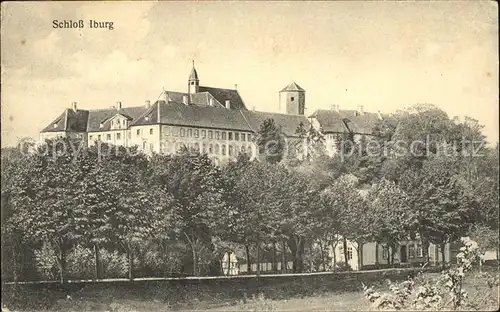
x=46, y=262
x=444, y=293
x=81, y=263
x=114, y=264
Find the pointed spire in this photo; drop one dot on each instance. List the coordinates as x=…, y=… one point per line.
x=194, y=74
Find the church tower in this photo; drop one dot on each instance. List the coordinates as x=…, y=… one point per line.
x=193, y=82
x=292, y=100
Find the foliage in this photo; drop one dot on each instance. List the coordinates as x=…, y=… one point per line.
x=444, y=293
x=270, y=141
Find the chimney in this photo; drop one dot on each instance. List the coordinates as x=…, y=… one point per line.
x=211, y=102
x=165, y=96
x=360, y=109
x=118, y=105
x=235, y=86
x=185, y=99
x=73, y=106
x=147, y=103
x=228, y=104
x=379, y=115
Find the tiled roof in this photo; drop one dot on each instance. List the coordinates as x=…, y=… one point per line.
x=293, y=87
x=69, y=120
x=330, y=120
x=193, y=75
x=221, y=95
x=98, y=116
x=346, y=121
x=175, y=113
x=288, y=123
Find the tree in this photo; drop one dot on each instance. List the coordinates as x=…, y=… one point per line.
x=391, y=214
x=442, y=202
x=197, y=190
x=43, y=191
x=270, y=141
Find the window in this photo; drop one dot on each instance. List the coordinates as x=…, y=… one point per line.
x=190, y=133
x=151, y=147
x=292, y=98
x=420, y=251
x=118, y=136
x=138, y=132
x=349, y=253
x=411, y=251
x=203, y=148
x=217, y=135
x=99, y=137
x=183, y=132
x=210, y=148
x=90, y=137
x=385, y=252
x=230, y=150
x=210, y=136
x=249, y=150
x=249, y=137
x=223, y=149
x=243, y=137
x=144, y=145
x=108, y=136
x=203, y=134
x=166, y=131
x=230, y=135
x=151, y=131
x=223, y=135
x=236, y=136
x=216, y=149
x=196, y=133
x=129, y=134
x=243, y=149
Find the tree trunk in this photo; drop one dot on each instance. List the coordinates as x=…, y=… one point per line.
x=249, y=264
x=345, y=253
x=195, y=258
x=360, y=256
x=62, y=263
x=14, y=262
x=283, y=258
x=97, y=262
x=229, y=263
x=334, y=247
x=292, y=244
x=258, y=257
x=130, y=262
x=376, y=254
x=391, y=258
x=275, y=263
x=299, y=267
x=443, y=255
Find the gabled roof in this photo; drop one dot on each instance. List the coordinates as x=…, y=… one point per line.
x=293, y=87
x=330, y=120
x=98, y=116
x=288, y=123
x=221, y=95
x=346, y=121
x=69, y=120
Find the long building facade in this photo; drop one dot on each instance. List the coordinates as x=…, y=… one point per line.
x=212, y=120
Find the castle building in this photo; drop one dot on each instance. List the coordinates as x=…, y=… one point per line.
x=212, y=120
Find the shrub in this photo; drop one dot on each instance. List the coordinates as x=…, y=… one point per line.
x=114, y=264
x=443, y=293
x=46, y=262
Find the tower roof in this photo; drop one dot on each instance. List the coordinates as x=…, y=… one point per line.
x=293, y=87
x=194, y=74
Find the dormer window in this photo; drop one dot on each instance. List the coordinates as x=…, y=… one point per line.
x=55, y=125
x=101, y=125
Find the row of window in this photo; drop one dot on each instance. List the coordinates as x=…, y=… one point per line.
x=210, y=134
x=211, y=149
x=118, y=137
x=413, y=252
x=118, y=124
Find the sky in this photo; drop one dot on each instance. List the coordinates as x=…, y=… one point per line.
x=384, y=56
